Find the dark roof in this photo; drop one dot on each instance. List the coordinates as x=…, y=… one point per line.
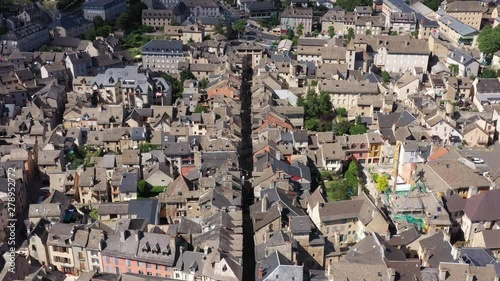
x=163, y=45
x=483, y=206
x=100, y=3
x=439, y=250
x=129, y=183
x=261, y=6
x=454, y=203
x=70, y=22
x=477, y=256
x=145, y=209
x=404, y=238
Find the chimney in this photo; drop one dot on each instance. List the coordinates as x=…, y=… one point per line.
x=462, y=59
x=469, y=276
x=260, y=273
x=264, y=204
x=124, y=235
x=442, y=274
x=138, y=235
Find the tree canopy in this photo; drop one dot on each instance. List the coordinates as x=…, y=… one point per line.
x=489, y=40
x=318, y=111
x=382, y=183
x=331, y=31
x=239, y=26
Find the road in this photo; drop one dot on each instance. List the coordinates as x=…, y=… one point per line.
x=260, y=34
x=246, y=164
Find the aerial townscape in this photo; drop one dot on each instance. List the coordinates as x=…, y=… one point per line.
x=249, y=140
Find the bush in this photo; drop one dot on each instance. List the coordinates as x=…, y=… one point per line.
x=382, y=183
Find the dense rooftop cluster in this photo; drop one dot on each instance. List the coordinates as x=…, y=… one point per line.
x=204, y=140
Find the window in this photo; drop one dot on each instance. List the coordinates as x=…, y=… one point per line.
x=116, y=261
x=129, y=263
x=108, y=260
x=139, y=264
x=157, y=267
x=117, y=270
x=108, y=268
x=148, y=265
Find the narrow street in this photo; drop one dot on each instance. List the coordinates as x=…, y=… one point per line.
x=246, y=165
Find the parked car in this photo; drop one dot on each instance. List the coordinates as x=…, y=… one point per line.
x=477, y=161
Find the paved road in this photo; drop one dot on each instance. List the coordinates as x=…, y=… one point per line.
x=261, y=34
x=246, y=164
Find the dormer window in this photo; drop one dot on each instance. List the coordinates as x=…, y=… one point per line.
x=146, y=247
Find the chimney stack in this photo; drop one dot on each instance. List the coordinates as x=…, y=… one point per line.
x=260, y=273
x=264, y=204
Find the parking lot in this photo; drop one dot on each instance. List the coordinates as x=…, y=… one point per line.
x=491, y=155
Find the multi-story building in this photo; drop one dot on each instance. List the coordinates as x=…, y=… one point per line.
x=162, y=55
x=344, y=93
x=403, y=23
x=140, y=252
x=468, y=12
x=467, y=65
x=455, y=30
x=59, y=243
x=80, y=64
x=161, y=4
x=131, y=86
x=292, y=17
x=27, y=38
x=106, y=9
x=205, y=8
x=156, y=18
x=70, y=26
x=395, y=54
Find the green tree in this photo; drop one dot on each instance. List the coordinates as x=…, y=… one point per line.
x=122, y=20
x=386, y=77
x=339, y=190
x=368, y=32
x=186, y=75
x=352, y=174
x=489, y=40
x=343, y=127
x=312, y=124
x=331, y=31
x=273, y=21
x=350, y=34
x=300, y=30
x=489, y=73
x=200, y=109
x=382, y=183
x=325, y=102
x=143, y=188
x=91, y=34
x=146, y=147
x=290, y=34
x=335, y=127
x=104, y=31
x=432, y=4
x=98, y=21
x=453, y=69
x=203, y=83
x=342, y=112
x=357, y=129
x=240, y=26
x=219, y=28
